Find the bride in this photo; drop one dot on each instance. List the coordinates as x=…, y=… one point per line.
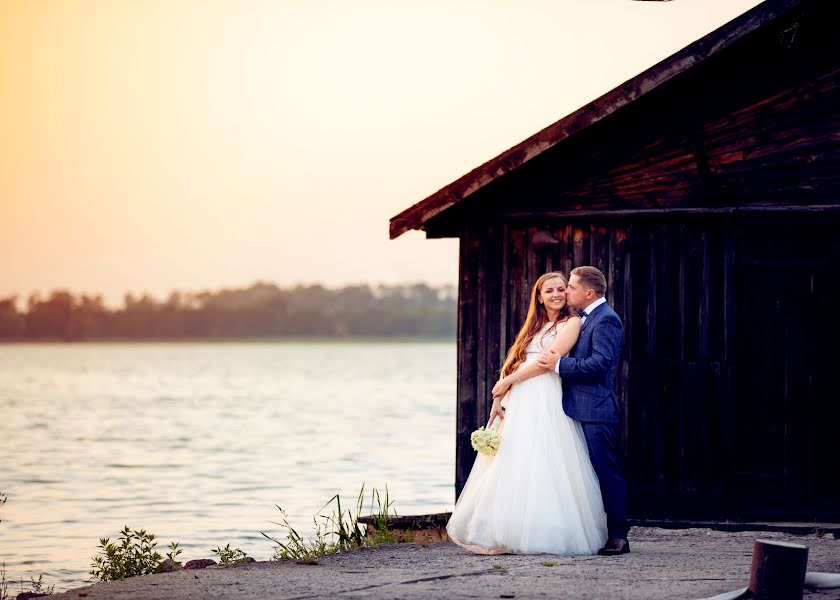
x=539, y=493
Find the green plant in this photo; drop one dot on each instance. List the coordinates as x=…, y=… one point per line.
x=549, y=563
x=135, y=555
x=381, y=515
x=228, y=555
x=296, y=546
x=337, y=531
x=38, y=587
x=385, y=536
x=174, y=550
x=346, y=528
x=4, y=585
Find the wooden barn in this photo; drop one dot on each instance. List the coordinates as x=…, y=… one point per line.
x=708, y=190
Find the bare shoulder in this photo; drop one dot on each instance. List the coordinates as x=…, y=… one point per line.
x=572, y=321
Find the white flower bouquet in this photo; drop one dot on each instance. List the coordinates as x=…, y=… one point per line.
x=485, y=441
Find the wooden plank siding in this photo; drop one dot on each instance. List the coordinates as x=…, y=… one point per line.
x=680, y=289
x=467, y=412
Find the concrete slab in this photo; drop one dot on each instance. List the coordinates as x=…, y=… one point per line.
x=664, y=563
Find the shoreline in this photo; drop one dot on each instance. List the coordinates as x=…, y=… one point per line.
x=663, y=563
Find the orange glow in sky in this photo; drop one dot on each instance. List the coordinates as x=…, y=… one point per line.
x=191, y=144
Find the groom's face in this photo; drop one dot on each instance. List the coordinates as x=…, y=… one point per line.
x=578, y=296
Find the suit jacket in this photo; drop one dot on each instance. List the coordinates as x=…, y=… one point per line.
x=588, y=373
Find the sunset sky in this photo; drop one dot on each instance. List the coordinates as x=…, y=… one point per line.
x=152, y=145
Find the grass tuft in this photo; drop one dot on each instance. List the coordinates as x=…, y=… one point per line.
x=336, y=531
x=4, y=585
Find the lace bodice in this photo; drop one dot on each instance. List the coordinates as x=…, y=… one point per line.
x=542, y=340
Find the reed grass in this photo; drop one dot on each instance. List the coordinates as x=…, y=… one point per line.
x=35, y=586
x=337, y=531
x=4, y=585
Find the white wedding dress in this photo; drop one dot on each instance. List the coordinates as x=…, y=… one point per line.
x=539, y=494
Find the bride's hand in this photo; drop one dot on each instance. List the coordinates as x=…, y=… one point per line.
x=501, y=388
x=496, y=411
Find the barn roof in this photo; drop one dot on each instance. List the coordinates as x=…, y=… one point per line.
x=418, y=215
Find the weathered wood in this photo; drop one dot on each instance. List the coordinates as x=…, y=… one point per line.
x=409, y=522
x=778, y=570
x=729, y=436
x=517, y=284
x=490, y=323
x=536, y=257
x=484, y=272
x=793, y=527
x=466, y=417
x=624, y=306
x=505, y=340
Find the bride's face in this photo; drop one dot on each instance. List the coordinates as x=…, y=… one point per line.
x=553, y=294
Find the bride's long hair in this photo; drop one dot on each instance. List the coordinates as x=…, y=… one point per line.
x=534, y=322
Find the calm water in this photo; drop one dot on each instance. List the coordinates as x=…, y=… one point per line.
x=198, y=442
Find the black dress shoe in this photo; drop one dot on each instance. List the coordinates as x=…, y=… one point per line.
x=614, y=547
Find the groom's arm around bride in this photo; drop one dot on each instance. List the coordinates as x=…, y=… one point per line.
x=606, y=350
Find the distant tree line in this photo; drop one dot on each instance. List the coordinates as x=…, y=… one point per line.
x=262, y=310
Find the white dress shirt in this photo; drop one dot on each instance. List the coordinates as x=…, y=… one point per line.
x=588, y=310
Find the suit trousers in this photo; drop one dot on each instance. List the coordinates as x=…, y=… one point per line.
x=602, y=439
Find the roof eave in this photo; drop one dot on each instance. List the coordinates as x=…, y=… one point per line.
x=416, y=216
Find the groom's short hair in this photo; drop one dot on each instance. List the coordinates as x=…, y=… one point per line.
x=592, y=279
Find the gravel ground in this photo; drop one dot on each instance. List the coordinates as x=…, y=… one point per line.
x=664, y=563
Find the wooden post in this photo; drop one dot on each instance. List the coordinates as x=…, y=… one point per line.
x=778, y=570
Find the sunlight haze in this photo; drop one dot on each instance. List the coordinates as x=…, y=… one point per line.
x=155, y=145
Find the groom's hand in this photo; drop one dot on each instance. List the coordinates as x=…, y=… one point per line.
x=548, y=359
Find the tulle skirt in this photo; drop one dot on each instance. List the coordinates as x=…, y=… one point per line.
x=539, y=493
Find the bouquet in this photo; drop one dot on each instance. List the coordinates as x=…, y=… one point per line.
x=485, y=441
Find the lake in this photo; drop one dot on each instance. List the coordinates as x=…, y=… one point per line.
x=197, y=442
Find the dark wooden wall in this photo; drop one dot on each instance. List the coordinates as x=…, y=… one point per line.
x=726, y=381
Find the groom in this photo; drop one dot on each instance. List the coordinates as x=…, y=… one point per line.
x=588, y=396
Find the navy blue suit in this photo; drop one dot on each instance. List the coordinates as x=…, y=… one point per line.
x=588, y=375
